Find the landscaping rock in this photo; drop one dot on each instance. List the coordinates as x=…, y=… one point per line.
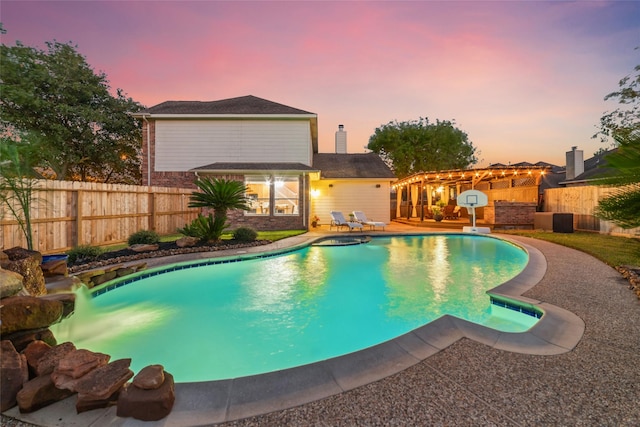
x=149, y=377
x=13, y=374
x=84, y=404
x=75, y=365
x=38, y=393
x=147, y=405
x=124, y=271
x=103, y=382
x=4, y=259
x=34, y=352
x=21, y=313
x=68, y=301
x=54, y=268
x=22, y=339
x=187, y=241
x=10, y=283
x=50, y=359
x=99, y=280
x=27, y=263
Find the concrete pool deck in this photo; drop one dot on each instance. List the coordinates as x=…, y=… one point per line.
x=438, y=375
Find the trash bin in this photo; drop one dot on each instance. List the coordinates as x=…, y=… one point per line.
x=563, y=223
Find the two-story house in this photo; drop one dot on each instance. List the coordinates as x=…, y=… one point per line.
x=272, y=148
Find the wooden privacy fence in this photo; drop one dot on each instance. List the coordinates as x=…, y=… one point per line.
x=581, y=201
x=66, y=214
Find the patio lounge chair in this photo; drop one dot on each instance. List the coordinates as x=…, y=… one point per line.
x=362, y=219
x=337, y=220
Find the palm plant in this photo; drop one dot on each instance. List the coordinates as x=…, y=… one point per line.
x=221, y=195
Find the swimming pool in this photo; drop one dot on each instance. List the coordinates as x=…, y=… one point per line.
x=232, y=319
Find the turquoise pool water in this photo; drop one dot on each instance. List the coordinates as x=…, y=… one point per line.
x=255, y=316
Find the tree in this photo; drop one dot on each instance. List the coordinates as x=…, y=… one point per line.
x=87, y=133
x=623, y=123
x=622, y=206
x=418, y=145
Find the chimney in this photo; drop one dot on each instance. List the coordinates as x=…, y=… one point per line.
x=341, y=140
x=575, y=163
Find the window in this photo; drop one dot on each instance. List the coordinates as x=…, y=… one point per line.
x=272, y=195
x=258, y=192
x=286, y=195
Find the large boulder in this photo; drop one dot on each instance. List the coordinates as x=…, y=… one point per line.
x=40, y=392
x=147, y=404
x=68, y=301
x=10, y=283
x=99, y=386
x=13, y=374
x=27, y=263
x=20, y=313
x=76, y=364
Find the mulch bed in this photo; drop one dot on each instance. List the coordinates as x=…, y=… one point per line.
x=164, y=249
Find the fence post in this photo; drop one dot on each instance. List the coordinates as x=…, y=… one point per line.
x=79, y=232
x=152, y=210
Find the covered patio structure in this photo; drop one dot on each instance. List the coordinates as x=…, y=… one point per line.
x=511, y=190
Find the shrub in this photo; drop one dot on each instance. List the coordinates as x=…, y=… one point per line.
x=83, y=253
x=206, y=228
x=245, y=234
x=145, y=237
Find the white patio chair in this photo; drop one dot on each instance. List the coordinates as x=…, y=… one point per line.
x=362, y=219
x=337, y=220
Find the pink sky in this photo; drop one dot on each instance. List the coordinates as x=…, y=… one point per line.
x=525, y=80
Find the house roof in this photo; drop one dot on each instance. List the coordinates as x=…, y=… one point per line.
x=236, y=108
x=367, y=165
x=594, y=168
x=237, y=167
x=249, y=105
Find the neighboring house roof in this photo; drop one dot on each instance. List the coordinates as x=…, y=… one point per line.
x=594, y=168
x=367, y=165
x=249, y=104
x=253, y=167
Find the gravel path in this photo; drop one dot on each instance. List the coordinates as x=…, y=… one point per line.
x=469, y=384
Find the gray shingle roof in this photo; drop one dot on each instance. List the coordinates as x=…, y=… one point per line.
x=247, y=166
x=242, y=105
x=368, y=165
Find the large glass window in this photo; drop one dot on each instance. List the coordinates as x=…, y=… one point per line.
x=273, y=195
x=258, y=193
x=286, y=195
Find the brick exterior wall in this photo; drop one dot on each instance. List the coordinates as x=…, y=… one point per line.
x=510, y=214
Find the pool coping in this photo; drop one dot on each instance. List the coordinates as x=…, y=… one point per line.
x=204, y=403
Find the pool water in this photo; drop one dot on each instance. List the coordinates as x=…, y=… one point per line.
x=237, y=319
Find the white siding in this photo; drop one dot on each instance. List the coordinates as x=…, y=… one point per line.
x=351, y=195
x=185, y=144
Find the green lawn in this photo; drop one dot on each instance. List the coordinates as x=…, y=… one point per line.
x=612, y=250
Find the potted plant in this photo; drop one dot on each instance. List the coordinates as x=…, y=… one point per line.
x=437, y=211
x=314, y=221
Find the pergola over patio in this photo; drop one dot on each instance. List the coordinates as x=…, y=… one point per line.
x=499, y=182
